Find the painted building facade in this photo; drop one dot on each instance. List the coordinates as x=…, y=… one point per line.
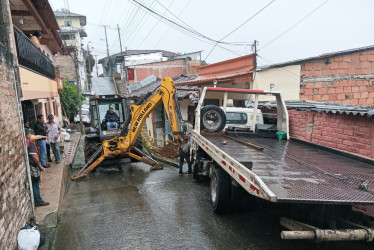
x=72, y=34
x=39, y=78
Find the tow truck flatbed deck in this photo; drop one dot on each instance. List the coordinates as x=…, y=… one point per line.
x=296, y=172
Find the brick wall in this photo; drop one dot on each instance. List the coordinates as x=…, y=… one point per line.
x=353, y=134
x=167, y=68
x=66, y=66
x=343, y=79
x=15, y=197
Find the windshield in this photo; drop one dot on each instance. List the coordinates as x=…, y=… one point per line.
x=236, y=118
x=84, y=112
x=104, y=107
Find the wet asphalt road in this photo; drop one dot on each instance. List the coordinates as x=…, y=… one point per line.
x=139, y=209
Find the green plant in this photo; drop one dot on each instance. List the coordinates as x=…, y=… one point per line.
x=69, y=99
x=203, y=63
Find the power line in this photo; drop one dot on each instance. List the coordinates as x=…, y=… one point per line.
x=190, y=30
x=140, y=23
x=163, y=36
x=154, y=26
x=183, y=29
x=280, y=69
x=240, y=26
x=293, y=26
x=128, y=23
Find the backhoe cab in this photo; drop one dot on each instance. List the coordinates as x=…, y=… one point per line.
x=98, y=131
x=123, y=144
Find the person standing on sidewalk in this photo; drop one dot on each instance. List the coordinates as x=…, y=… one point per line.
x=54, y=132
x=40, y=129
x=35, y=170
x=184, y=153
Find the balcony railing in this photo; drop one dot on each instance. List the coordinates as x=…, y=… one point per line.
x=30, y=57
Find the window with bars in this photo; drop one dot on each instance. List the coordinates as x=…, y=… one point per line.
x=55, y=108
x=239, y=103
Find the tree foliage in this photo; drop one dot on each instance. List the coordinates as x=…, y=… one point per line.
x=69, y=99
x=203, y=63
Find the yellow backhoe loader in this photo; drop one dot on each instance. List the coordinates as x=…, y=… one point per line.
x=123, y=145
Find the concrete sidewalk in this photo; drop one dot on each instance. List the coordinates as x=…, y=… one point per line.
x=53, y=185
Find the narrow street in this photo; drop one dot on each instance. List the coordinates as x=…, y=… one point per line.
x=139, y=209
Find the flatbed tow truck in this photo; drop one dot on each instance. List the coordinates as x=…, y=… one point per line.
x=285, y=171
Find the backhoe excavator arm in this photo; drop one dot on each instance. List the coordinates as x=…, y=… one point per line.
x=139, y=112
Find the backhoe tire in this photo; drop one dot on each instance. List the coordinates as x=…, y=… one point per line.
x=220, y=191
x=90, y=147
x=212, y=118
x=139, y=145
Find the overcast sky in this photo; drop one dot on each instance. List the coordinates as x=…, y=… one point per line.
x=285, y=29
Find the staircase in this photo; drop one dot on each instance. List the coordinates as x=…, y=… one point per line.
x=119, y=85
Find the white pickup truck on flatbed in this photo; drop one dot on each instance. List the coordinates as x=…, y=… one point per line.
x=278, y=171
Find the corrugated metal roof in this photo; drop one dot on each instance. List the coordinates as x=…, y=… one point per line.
x=182, y=91
x=324, y=108
x=118, y=57
x=204, y=79
x=65, y=13
x=326, y=55
x=238, y=69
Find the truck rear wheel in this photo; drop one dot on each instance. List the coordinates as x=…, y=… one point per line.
x=220, y=190
x=212, y=118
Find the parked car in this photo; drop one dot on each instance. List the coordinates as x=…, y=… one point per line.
x=86, y=118
x=85, y=104
x=241, y=118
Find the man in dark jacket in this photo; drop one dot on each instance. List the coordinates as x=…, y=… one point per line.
x=40, y=129
x=35, y=170
x=111, y=119
x=184, y=154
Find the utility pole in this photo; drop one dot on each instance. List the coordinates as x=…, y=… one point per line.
x=107, y=51
x=254, y=46
x=89, y=68
x=119, y=36
x=79, y=93
x=106, y=40
x=97, y=69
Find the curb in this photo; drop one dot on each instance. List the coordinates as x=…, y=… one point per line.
x=51, y=220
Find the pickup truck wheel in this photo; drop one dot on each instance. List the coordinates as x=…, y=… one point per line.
x=220, y=191
x=212, y=118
